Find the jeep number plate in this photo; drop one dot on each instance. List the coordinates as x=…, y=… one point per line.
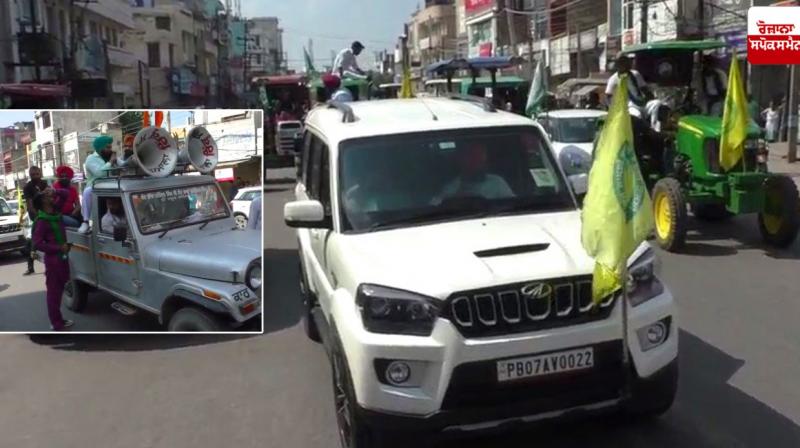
x=551, y=363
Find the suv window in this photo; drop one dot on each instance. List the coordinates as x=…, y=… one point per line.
x=409, y=179
x=319, y=185
x=305, y=159
x=111, y=213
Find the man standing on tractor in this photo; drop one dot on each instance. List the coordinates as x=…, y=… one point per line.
x=346, y=65
x=713, y=86
x=638, y=92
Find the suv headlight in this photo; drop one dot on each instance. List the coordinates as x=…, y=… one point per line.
x=394, y=311
x=252, y=277
x=643, y=283
x=574, y=160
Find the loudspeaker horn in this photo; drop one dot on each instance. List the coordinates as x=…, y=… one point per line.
x=200, y=150
x=155, y=151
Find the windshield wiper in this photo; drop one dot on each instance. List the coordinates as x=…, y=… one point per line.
x=170, y=223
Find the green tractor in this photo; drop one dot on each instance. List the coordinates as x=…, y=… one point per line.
x=680, y=160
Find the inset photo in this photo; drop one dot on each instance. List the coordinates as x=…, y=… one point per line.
x=131, y=221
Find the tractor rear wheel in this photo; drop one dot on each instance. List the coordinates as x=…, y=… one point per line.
x=711, y=212
x=669, y=212
x=780, y=219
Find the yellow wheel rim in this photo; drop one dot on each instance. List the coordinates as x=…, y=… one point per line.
x=772, y=223
x=663, y=216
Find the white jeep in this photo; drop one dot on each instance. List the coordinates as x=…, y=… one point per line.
x=442, y=268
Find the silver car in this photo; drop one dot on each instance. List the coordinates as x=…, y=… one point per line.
x=170, y=248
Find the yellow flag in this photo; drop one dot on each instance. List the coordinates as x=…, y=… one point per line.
x=20, y=205
x=406, y=91
x=617, y=213
x=734, y=119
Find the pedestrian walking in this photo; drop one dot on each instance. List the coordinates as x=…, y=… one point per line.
x=49, y=236
x=71, y=208
x=254, y=217
x=772, y=117
x=34, y=186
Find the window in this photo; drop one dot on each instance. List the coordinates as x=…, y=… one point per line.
x=258, y=59
x=171, y=55
x=258, y=41
x=93, y=28
x=45, y=120
x=163, y=23
x=629, y=13
x=111, y=214
x=114, y=38
x=153, y=54
x=304, y=173
x=319, y=180
x=108, y=35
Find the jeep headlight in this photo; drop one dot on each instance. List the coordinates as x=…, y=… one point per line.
x=394, y=311
x=643, y=283
x=574, y=160
x=252, y=277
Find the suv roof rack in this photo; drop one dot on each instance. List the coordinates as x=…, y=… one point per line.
x=477, y=100
x=347, y=112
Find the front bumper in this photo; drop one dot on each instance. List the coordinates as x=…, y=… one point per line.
x=457, y=377
x=12, y=242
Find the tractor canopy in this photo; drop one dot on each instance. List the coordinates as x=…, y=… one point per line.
x=711, y=127
x=669, y=63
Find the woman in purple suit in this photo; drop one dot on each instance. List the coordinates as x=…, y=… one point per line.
x=50, y=237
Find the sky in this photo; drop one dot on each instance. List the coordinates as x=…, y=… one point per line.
x=334, y=25
x=8, y=117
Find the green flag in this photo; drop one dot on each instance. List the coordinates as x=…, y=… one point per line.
x=538, y=91
x=617, y=212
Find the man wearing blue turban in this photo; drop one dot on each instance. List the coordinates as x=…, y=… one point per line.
x=97, y=164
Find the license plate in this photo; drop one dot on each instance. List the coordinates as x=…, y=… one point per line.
x=549, y=364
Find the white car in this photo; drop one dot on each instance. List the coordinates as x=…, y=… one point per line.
x=442, y=268
x=12, y=233
x=241, y=204
x=572, y=133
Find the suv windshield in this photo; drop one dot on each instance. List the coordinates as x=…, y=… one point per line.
x=392, y=181
x=161, y=210
x=5, y=210
x=574, y=129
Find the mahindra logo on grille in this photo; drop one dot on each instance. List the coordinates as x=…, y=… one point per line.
x=532, y=303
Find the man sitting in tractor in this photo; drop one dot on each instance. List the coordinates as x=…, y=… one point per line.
x=712, y=85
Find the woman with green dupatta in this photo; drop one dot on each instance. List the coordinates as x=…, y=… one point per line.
x=50, y=237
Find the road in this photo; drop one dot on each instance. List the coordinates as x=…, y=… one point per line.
x=739, y=364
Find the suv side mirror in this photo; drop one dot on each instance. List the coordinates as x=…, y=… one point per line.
x=579, y=183
x=120, y=233
x=306, y=215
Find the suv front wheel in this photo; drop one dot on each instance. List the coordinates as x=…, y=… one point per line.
x=652, y=397
x=194, y=319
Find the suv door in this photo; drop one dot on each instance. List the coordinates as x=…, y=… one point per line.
x=117, y=261
x=318, y=188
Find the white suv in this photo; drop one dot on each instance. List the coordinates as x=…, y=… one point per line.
x=443, y=270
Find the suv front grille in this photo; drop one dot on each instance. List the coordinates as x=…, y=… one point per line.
x=524, y=307
x=8, y=228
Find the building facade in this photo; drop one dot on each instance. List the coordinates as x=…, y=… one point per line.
x=265, y=54
x=13, y=143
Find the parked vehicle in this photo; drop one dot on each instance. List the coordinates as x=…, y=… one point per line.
x=442, y=269
x=12, y=236
x=176, y=251
x=285, y=133
x=240, y=205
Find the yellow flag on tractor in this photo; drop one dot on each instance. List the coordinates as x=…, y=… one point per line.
x=405, y=90
x=617, y=212
x=734, y=119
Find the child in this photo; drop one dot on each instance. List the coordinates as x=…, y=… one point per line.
x=50, y=237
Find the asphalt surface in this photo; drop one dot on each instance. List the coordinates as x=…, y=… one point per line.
x=739, y=361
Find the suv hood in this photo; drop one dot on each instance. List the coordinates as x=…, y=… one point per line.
x=209, y=254
x=439, y=259
x=10, y=219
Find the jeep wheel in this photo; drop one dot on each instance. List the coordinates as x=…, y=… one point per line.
x=710, y=212
x=309, y=302
x=780, y=219
x=194, y=319
x=354, y=432
x=669, y=213
x=240, y=220
x=652, y=397
x=75, y=296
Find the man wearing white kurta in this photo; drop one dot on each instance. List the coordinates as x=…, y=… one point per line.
x=97, y=165
x=346, y=65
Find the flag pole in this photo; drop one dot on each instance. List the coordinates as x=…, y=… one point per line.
x=626, y=361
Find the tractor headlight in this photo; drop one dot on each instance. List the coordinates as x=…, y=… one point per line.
x=394, y=311
x=643, y=283
x=574, y=160
x=252, y=277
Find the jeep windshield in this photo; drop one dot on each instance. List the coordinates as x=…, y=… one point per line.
x=413, y=179
x=5, y=210
x=169, y=208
